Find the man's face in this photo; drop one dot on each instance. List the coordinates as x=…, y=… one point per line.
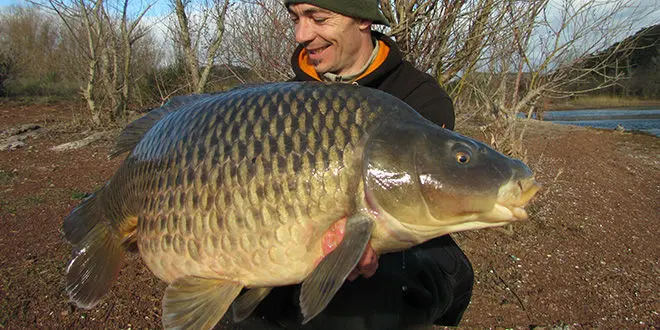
x=332, y=40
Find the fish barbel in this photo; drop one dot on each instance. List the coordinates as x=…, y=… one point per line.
x=232, y=191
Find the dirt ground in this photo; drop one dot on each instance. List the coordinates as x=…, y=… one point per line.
x=585, y=259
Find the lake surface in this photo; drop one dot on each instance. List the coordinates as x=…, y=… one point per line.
x=647, y=120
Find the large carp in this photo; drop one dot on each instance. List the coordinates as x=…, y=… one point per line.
x=236, y=190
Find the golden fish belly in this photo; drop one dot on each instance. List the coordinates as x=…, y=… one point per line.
x=239, y=188
x=240, y=232
x=281, y=254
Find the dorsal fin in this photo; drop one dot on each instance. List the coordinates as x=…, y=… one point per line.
x=134, y=131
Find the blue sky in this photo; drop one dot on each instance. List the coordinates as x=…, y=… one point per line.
x=647, y=15
x=11, y=2
x=652, y=8
x=160, y=7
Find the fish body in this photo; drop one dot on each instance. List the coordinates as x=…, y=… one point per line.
x=236, y=190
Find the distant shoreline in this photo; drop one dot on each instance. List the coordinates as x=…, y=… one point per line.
x=603, y=102
x=571, y=107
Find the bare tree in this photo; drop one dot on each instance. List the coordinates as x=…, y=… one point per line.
x=105, y=34
x=119, y=52
x=27, y=36
x=445, y=37
x=78, y=16
x=261, y=39
x=505, y=56
x=502, y=54
x=199, y=30
x=549, y=49
x=454, y=39
x=7, y=68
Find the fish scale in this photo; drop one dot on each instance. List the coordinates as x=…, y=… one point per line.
x=252, y=165
x=238, y=190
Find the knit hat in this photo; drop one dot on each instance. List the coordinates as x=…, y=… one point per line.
x=365, y=9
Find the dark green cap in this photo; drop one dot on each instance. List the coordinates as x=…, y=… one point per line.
x=365, y=9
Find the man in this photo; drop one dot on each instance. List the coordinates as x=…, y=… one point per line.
x=427, y=284
x=336, y=44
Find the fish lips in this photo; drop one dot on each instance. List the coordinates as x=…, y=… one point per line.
x=512, y=198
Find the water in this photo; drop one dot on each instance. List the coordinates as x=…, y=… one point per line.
x=631, y=119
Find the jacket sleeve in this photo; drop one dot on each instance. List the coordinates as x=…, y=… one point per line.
x=433, y=103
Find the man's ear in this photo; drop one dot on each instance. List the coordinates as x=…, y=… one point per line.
x=364, y=24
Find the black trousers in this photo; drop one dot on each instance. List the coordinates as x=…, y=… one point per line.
x=428, y=284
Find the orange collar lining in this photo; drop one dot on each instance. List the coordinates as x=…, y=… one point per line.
x=306, y=67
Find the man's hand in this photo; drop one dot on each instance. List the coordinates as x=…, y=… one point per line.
x=367, y=265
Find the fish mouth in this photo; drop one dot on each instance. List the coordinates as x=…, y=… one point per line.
x=508, y=207
x=512, y=199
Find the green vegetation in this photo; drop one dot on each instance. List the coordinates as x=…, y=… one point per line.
x=6, y=177
x=636, y=59
x=79, y=195
x=27, y=202
x=6, y=312
x=32, y=200
x=50, y=87
x=7, y=207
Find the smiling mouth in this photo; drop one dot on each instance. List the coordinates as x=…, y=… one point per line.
x=316, y=51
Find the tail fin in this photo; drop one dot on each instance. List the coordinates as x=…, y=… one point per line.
x=97, y=254
x=82, y=219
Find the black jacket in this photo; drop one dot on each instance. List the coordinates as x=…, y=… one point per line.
x=401, y=79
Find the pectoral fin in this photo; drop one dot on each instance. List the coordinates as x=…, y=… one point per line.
x=244, y=305
x=197, y=303
x=326, y=279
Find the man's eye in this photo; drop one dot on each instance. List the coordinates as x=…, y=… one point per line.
x=319, y=19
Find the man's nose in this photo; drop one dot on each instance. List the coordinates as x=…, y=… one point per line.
x=304, y=32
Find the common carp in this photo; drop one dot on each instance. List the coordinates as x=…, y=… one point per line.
x=233, y=191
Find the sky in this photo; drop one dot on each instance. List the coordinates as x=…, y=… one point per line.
x=647, y=13
x=652, y=7
x=159, y=8
x=11, y=2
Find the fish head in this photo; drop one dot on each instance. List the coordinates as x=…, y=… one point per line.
x=433, y=181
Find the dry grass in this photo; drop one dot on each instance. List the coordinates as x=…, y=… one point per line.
x=602, y=101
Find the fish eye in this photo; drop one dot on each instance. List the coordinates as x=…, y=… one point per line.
x=462, y=157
